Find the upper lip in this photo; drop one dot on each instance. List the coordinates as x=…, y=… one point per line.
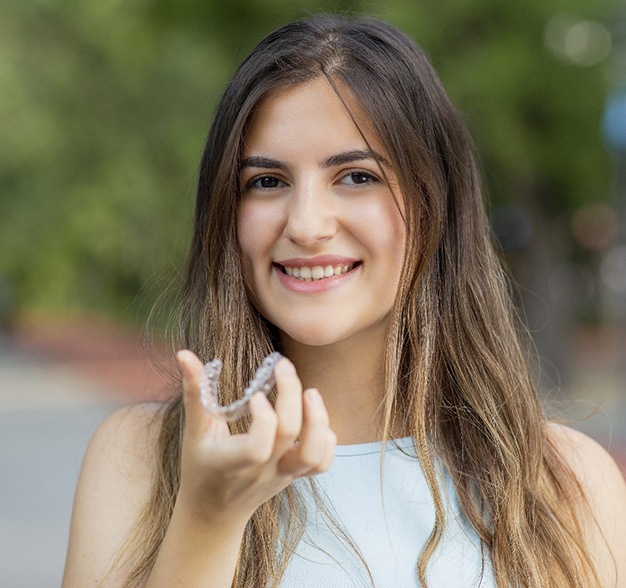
x=320, y=260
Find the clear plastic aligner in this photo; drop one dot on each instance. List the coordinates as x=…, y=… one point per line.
x=262, y=381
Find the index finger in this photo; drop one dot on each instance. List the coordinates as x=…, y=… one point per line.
x=288, y=404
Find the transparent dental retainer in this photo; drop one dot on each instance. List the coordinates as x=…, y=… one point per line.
x=263, y=381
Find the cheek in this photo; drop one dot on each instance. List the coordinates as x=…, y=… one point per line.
x=248, y=241
x=391, y=231
x=251, y=228
x=393, y=243
x=396, y=219
x=258, y=228
x=245, y=237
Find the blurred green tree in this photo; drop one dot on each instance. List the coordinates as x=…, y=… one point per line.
x=104, y=107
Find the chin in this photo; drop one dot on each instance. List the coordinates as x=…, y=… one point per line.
x=313, y=339
x=316, y=336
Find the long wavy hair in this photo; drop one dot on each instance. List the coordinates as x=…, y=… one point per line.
x=456, y=373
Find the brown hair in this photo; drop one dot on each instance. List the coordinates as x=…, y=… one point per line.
x=456, y=374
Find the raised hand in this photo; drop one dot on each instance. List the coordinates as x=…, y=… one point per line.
x=224, y=477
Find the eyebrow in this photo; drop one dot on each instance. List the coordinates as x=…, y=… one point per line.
x=333, y=160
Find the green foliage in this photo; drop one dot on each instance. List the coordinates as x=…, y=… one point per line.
x=534, y=118
x=104, y=107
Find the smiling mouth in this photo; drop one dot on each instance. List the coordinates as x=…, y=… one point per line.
x=317, y=272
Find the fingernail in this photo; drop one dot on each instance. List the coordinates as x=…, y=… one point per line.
x=314, y=397
x=284, y=366
x=181, y=357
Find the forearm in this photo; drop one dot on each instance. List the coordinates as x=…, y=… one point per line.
x=195, y=554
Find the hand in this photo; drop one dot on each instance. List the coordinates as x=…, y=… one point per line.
x=224, y=477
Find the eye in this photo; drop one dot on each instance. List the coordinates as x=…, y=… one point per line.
x=264, y=183
x=357, y=178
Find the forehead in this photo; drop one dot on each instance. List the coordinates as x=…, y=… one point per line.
x=311, y=112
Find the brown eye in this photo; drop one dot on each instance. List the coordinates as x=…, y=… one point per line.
x=265, y=183
x=358, y=178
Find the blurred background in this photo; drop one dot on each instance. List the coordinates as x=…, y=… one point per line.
x=104, y=107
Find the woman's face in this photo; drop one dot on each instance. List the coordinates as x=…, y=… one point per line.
x=320, y=233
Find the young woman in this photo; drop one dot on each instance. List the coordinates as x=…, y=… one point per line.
x=339, y=220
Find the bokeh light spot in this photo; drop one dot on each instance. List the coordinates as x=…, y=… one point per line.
x=581, y=42
x=595, y=227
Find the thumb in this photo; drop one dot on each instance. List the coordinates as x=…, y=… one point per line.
x=192, y=369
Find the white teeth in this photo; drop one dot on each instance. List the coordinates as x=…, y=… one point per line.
x=317, y=272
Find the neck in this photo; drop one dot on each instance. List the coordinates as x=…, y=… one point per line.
x=350, y=377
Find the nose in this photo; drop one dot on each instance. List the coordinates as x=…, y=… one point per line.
x=311, y=216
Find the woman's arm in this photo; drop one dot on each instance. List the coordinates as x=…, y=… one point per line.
x=605, y=490
x=224, y=479
x=113, y=487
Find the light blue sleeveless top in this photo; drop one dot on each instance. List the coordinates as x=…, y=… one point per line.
x=389, y=527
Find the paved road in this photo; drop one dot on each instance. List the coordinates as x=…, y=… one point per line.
x=47, y=415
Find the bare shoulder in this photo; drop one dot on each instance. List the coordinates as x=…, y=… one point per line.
x=605, y=490
x=591, y=462
x=122, y=447
x=113, y=487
